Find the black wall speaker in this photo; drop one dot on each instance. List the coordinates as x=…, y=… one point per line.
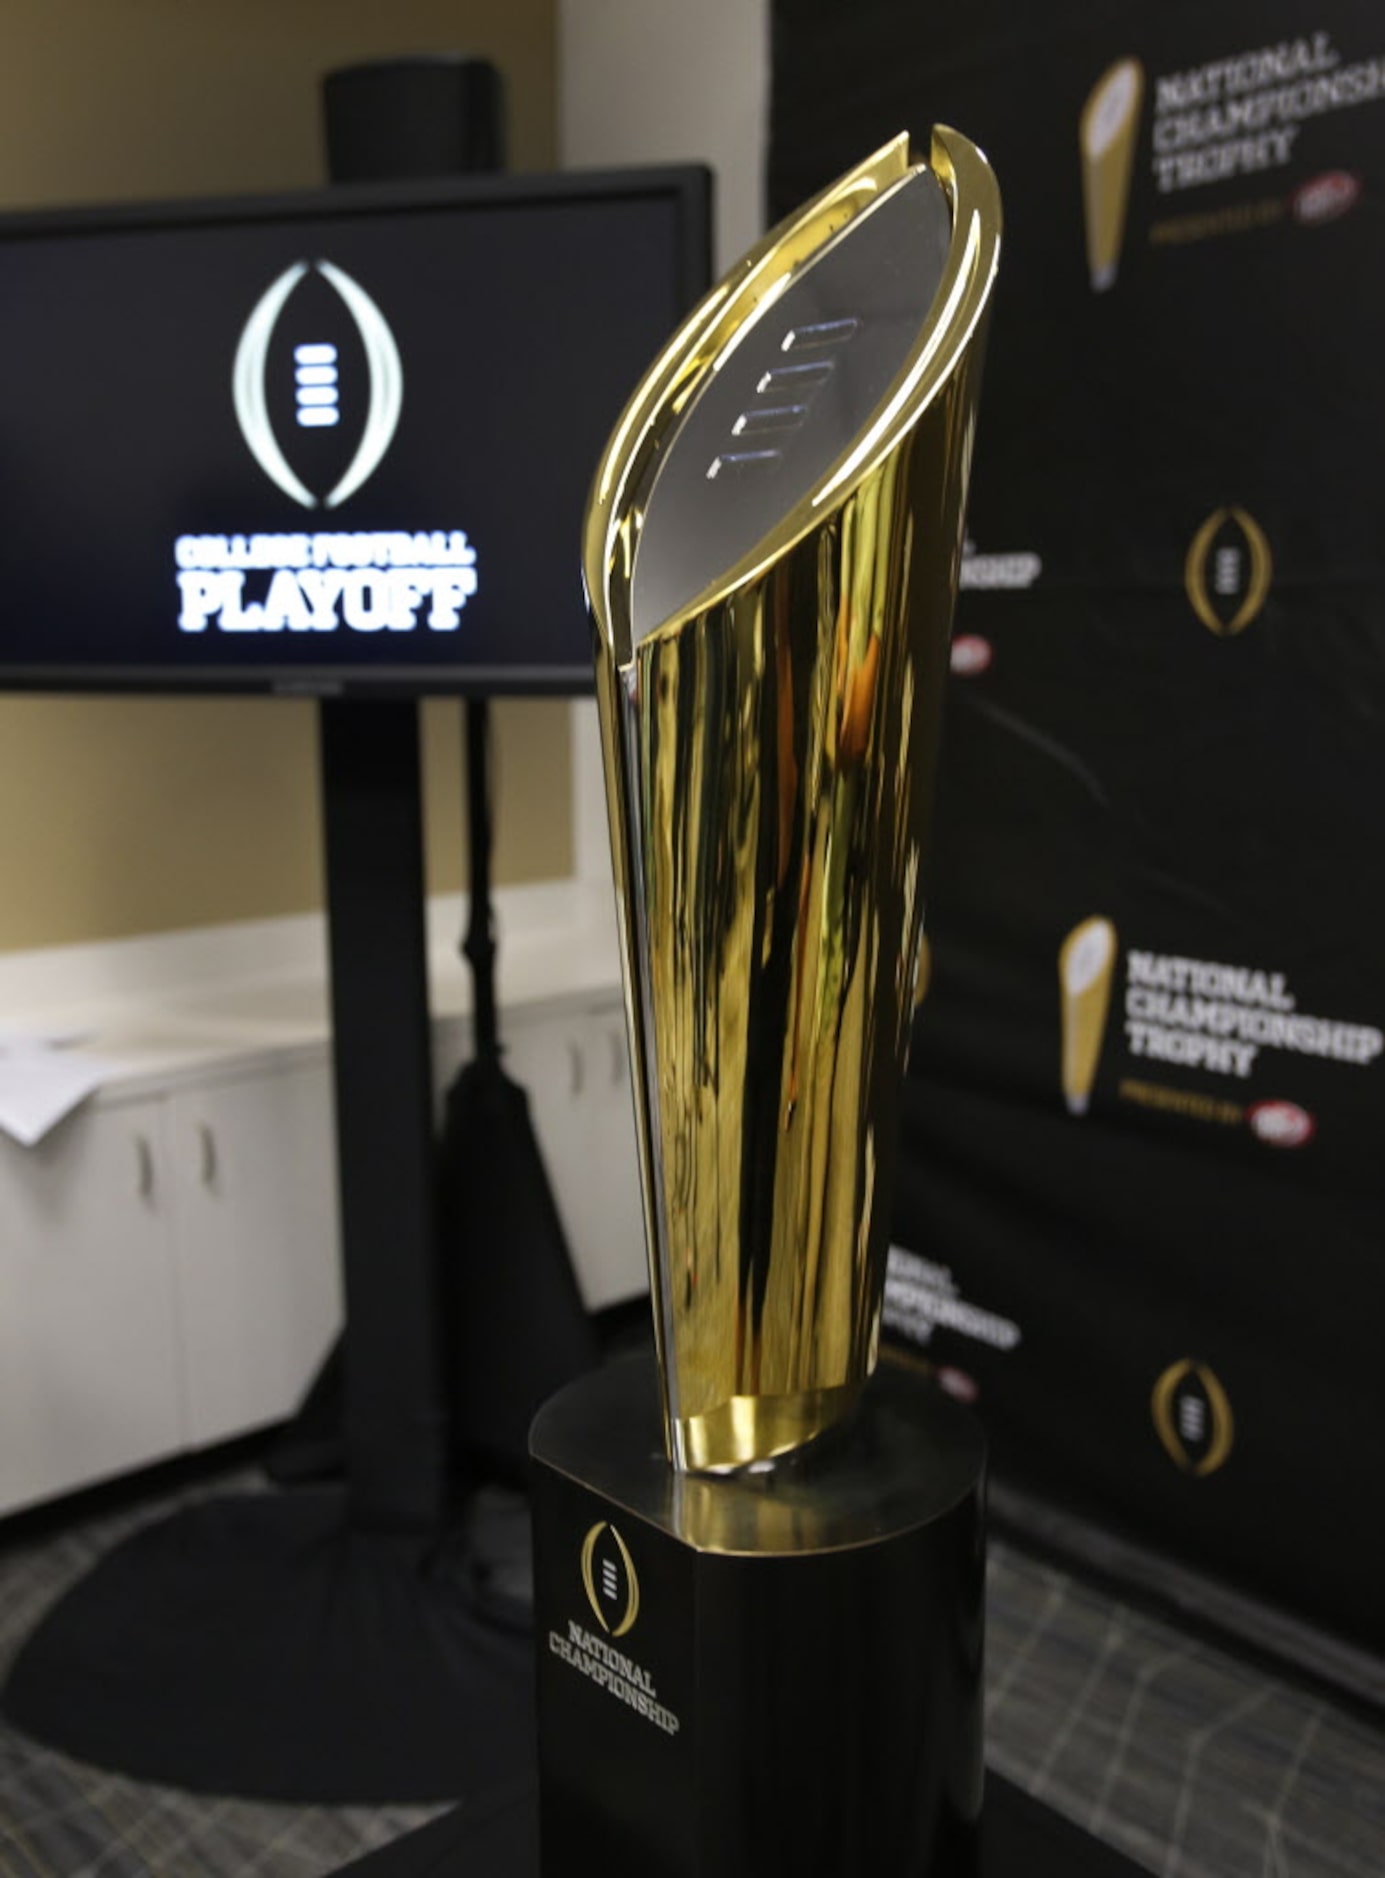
x=394, y=119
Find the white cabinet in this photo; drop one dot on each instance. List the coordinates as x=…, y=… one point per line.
x=169, y=1274
x=169, y=1259
x=258, y=1269
x=570, y=1059
x=576, y=1071
x=89, y=1374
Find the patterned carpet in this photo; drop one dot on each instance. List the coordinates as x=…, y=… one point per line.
x=1189, y=1761
x=1184, y=1758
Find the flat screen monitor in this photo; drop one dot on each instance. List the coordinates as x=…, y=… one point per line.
x=324, y=444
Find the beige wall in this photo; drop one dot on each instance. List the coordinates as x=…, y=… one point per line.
x=122, y=816
x=618, y=102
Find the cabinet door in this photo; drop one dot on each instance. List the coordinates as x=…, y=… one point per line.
x=259, y=1282
x=576, y=1071
x=89, y=1380
x=612, y=1212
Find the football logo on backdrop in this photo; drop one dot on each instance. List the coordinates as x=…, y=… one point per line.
x=610, y=1580
x=316, y=388
x=1193, y=1418
x=1228, y=571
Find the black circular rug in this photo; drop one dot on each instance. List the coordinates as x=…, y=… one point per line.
x=258, y=1646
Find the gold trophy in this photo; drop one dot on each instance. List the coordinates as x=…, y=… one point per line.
x=1108, y=134
x=1086, y=961
x=771, y=554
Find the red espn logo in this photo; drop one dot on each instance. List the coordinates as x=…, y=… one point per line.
x=1323, y=198
x=1281, y=1124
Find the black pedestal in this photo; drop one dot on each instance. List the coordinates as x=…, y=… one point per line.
x=499, y=1838
x=763, y=1674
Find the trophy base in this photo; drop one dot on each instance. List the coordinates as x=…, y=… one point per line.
x=763, y=1673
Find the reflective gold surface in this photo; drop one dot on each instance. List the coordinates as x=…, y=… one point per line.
x=769, y=757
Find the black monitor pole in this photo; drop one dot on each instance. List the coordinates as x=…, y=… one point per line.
x=475, y=1264
x=395, y=1432
x=391, y=120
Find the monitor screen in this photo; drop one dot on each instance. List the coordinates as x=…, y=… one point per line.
x=324, y=444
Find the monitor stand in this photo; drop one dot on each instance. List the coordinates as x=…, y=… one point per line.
x=361, y=1643
x=395, y=1436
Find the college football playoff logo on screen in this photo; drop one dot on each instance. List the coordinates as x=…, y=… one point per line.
x=316, y=384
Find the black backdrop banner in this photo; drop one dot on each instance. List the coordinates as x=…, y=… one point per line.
x=1143, y=1173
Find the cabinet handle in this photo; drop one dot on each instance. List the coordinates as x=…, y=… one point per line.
x=574, y=1056
x=208, y=1144
x=144, y=1168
